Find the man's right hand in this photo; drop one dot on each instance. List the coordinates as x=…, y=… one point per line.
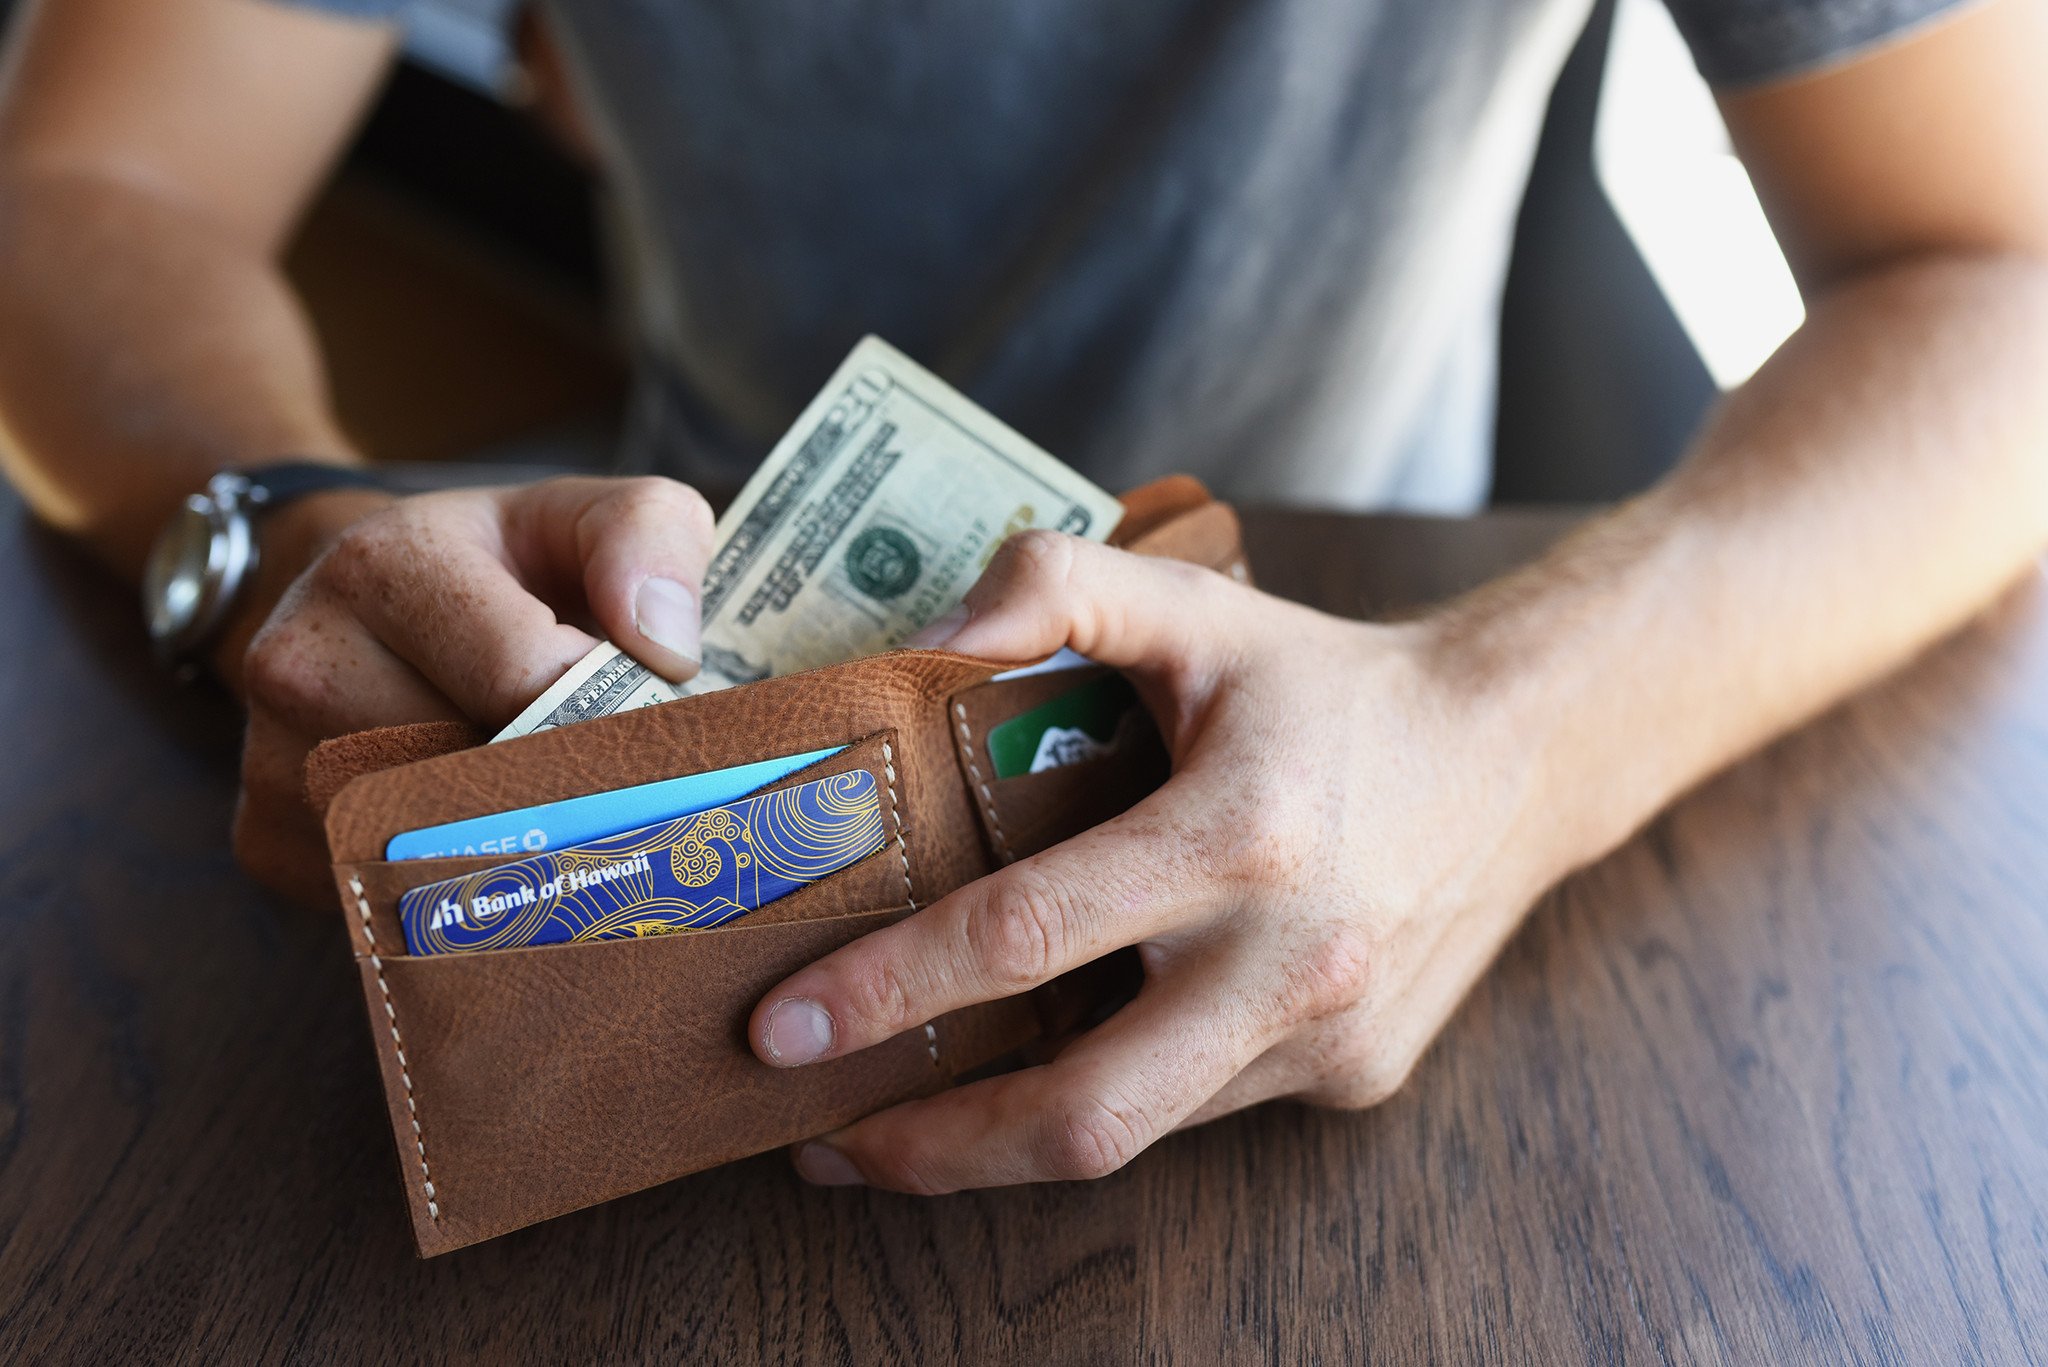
x=154, y=161
x=457, y=605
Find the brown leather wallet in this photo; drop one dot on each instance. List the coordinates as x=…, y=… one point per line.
x=526, y=1083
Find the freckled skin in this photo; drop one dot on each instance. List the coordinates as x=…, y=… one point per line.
x=383, y=611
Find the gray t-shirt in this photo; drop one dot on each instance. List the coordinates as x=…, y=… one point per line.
x=1260, y=241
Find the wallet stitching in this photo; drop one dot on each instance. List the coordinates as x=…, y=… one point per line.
x=419, y=1139
x=896, y=815
x=988, y=801
x=931, y=1031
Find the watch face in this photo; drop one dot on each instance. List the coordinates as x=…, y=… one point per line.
x=180, y=573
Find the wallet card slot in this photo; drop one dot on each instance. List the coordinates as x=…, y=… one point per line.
x=875, y=883
x=374, y=887
x=1025, y=813
x=1038, y=811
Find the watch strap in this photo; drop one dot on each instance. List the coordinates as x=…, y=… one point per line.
x=272, y=486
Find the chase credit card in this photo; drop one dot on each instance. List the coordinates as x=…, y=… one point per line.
x=686, y=874
x=574, y=820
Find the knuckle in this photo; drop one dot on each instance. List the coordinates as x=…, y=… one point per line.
x=1351, y=1064
x=1088, y=1137
x=1039, y=557
x=279, y=670
x=905, y=1167
x=1332, y=971
x=356, y=560
x=502, y=680
x=1363, y=1085
x=878, y=995
x=666, y=500
x=1019, y=935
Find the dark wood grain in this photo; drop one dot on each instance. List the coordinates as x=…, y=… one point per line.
x=1766, y=1086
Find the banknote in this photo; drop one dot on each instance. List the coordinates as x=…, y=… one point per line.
x=873, y=515
x=605, y=681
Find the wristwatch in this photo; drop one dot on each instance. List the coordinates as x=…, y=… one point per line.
x=205, y=557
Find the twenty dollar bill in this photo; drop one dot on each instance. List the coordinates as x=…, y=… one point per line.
x=873, y=515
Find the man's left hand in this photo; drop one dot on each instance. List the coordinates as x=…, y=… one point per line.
x=1341, y=849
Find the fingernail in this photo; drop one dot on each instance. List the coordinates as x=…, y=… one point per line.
x=939, y=630
x=826, y=1166
x=798, y=1031
x=666, y=613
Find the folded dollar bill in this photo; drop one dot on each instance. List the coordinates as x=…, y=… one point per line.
x=872, y=516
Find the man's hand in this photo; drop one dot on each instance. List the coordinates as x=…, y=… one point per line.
x=1338, y=854
x=1358, y=814
x=456, y=605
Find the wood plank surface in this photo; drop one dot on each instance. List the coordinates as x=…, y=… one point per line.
x=1765, y=1086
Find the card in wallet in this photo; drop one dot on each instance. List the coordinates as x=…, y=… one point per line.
x=525, y=1083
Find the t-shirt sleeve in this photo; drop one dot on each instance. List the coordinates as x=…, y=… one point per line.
x=355, y=9
x=1743, y=42
x=468, y=40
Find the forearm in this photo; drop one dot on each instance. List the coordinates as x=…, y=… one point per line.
x=142, y=349
x=1876, y=483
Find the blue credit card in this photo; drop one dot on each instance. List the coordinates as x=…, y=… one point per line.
x=686, y=874
x=572, y=821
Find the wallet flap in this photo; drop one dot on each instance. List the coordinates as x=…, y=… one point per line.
x=1210, y=536
x=1149, y=505
x=335, y=762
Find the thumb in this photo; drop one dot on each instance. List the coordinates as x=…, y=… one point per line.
x=640, y=547
x=1043, y=590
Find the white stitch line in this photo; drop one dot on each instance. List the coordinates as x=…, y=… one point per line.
x=988, y=801
x=419, y=1139
x=896, y=812
x=931, y=1032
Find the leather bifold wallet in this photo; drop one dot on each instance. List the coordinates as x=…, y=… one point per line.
x=526, y=1083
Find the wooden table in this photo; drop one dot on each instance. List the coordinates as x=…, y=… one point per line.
x=1766, y=1086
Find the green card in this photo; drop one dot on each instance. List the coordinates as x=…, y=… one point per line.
x=1084, y=724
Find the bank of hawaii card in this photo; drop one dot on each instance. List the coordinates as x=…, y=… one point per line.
x=686, y=874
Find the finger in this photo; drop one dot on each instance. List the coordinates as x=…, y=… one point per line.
x=1043, y=590
x=1082, y=1116
x=433, y=581
x=1024, y=925
x=1290, y=1068
x=640, y=548
x=311, y=672
x=1349, y=1062
x=318, y=669
x=275, y=836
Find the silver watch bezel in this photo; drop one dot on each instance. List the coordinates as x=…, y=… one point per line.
x=197, y=568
